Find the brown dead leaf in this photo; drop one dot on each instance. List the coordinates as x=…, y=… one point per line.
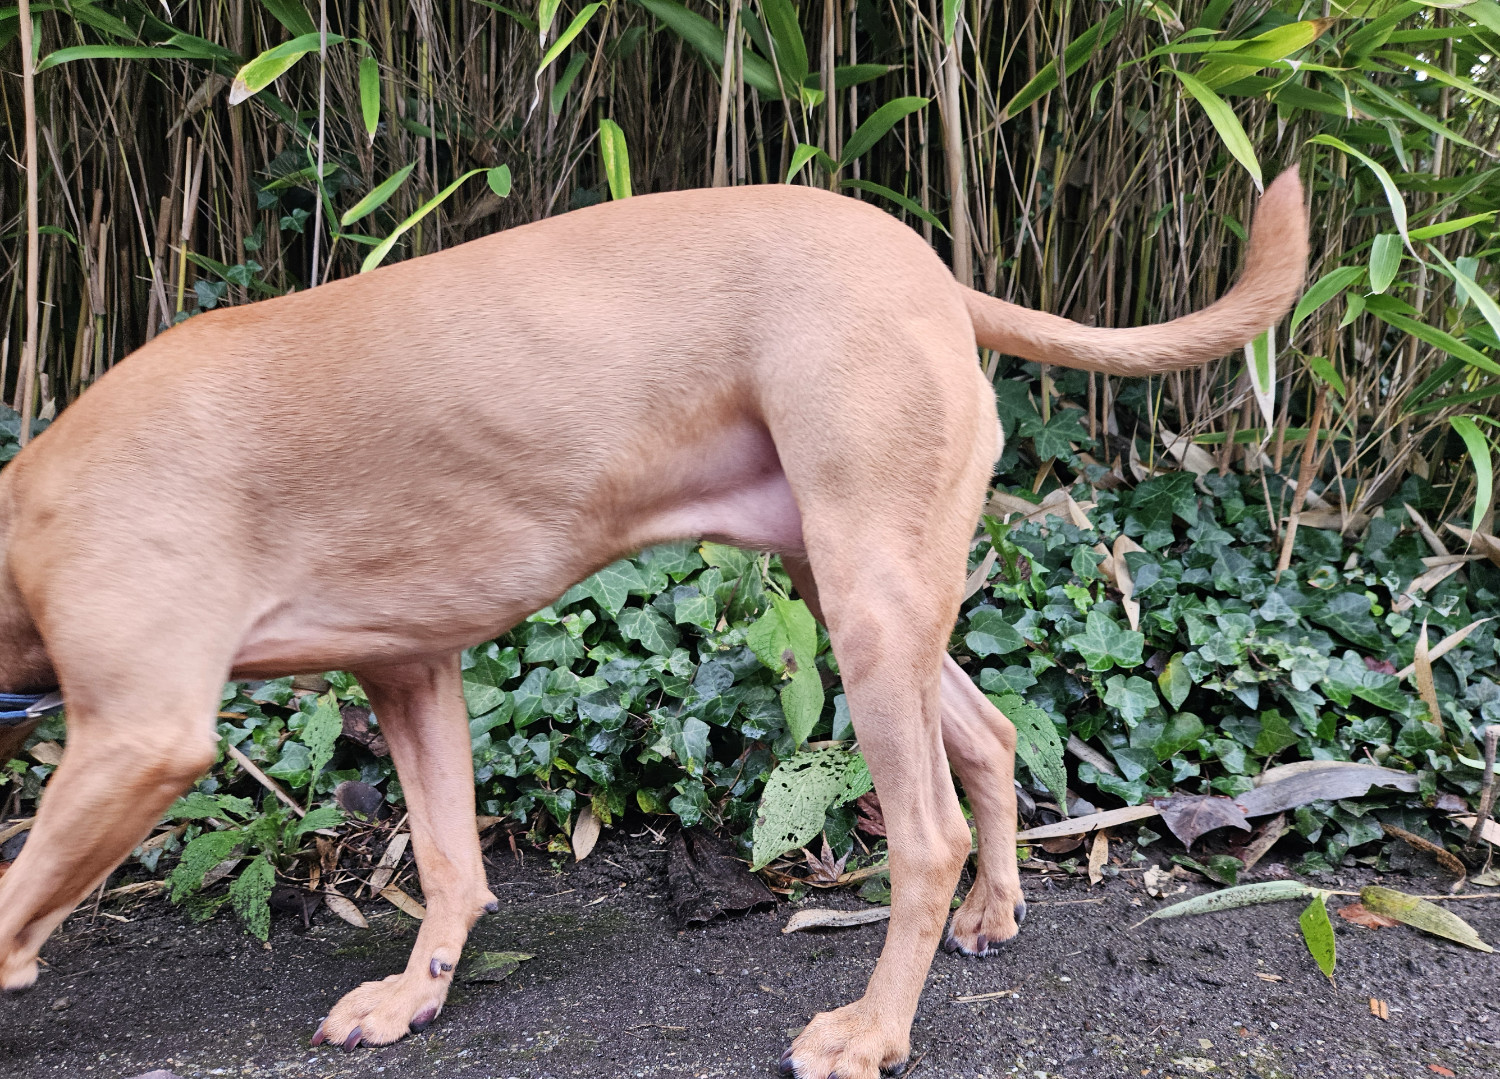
x=344, y=908
x=1359, y=915
x=834, y=919
x=1440, y=1070
x=388, y=862
x=1061, y=844
x=357, y=729
x=871, y=820
x=585, y=833
x=824, y=869
x=403, y=902
x=1189, y=816
x=1380, y=1009
x=1123, y=546
x=1098, y=855
x=1445, y=858
x=1288, y=786
x=46, y=753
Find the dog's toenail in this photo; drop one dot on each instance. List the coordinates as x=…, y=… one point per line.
x=982, y=944
x=787, y=1066
x=424, y=1019
x=492, y=906
x=437, y=968
x=353, y=1039
x=897, y=1070
x=950, y=944
x=317, y=1038
x=1020, y=912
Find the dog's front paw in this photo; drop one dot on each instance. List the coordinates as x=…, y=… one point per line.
x=378, y=1013
x=989, y=919
x=849, y=1043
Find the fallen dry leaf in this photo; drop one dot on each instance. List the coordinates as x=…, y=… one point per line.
x=46, y=753
x=344, y=908
x=1159, y=883
x=1356, y=913
x=1439, y=1069
x=871, y=820
x=1189, y=816
x=819, y=918
x=585, y=833
x=388, y=861
x=1098, y=855
x=1288, y=786
x=1379, y=1008
x=1269, y=977
x=403, y=902
x=1061, y=844
x=1091, y=823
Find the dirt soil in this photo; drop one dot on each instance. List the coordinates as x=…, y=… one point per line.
x=615, y=990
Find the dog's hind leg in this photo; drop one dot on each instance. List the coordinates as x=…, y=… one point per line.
x=981, y=745
x=138, y=736
x=420, y=708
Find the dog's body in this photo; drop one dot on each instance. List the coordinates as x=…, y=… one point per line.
x=376, y=473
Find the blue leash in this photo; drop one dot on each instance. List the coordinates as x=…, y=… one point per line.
x=18, y=708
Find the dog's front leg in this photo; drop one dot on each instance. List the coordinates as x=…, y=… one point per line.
x=420, y=708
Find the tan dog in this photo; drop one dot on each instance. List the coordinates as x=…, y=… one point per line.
x=378, y=472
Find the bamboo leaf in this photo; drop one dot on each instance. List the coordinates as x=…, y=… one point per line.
x=291, y=14
x=1327, y=287
x=950, y=21
x=1392, y=192
x=1078, y=52
x=791, y=49
x=1437, y=339
x=1317, y=931
x=378, y=196
x=708, y=39
x=1385, y=260
x=369, y=94
x=565, y=38
x=1423, y=915
x=804, y=153
x=113, y=52
x=1244, y=895
x=1470, y=288
x=1484, y=474
x=272, y=64
x=616, y=158
x=910, y=205
x=877, y=124
x=377, y=256
x=1260, y=358
x=1226, y=123
x=499, y=180
x=1325, y=371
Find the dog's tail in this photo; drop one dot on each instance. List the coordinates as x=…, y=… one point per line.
x=1272, y=279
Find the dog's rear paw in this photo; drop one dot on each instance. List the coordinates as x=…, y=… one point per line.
x=17, y=975
x=378, y=1013
x=988, y=920
x=849, y=1043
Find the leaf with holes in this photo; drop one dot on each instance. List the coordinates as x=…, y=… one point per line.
x=251, y=894
x=1037, y=742
x=795, y=802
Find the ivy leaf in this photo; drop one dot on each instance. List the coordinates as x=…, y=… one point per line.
x=1317, y=931
x=552, y=644
x=1056, y=436
x=613, y=584
x=1175, y=681
x=1275, y=735
x=1103, y=644
x=1348, y=615
x=1181, y=731
x=251, y=894
x=645, y=624
x=785, y=638
x=1131, y=696
x=1037, y=743
x=990, y=634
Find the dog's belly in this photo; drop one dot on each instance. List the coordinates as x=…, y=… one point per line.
x=730, y=489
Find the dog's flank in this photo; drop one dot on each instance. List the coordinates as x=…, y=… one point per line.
x=375, y=473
